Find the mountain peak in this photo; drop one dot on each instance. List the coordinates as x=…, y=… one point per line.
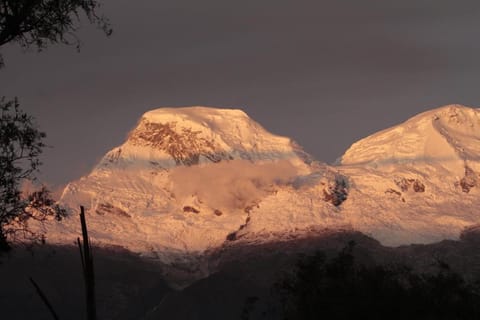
x=194, y=135
x=453, y=113
x=196, y=114
x=447, y=136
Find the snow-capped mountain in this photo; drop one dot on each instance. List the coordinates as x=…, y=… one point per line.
x=193, y=179
x=417, y=182
x=185, y=180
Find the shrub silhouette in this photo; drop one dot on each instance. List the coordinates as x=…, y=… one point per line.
x=21, y=145
x=340, y=288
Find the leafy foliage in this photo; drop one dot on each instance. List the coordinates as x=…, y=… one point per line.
x=21, y=144
x=32, y=23
x=41, y=22
x=342, y=289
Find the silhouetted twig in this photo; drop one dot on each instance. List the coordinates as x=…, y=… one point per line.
x=44, y=299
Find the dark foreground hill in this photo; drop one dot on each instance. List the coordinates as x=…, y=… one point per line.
x=244, y=286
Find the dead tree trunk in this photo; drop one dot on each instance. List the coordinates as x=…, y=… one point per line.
x=88, y=272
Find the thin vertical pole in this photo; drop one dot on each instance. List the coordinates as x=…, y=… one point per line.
x=88, y=271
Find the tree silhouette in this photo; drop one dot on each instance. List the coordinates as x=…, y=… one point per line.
x=39, y=23
x=340, y=288
x=21, y=144
x=32, y=23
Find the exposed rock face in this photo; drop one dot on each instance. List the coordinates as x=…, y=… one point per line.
x=410, y=184
x=237, y=234
x=190, y=209
x=184, y=145
x=108, y=208
x=469, y=180
x=337, y=192
x=393, y=191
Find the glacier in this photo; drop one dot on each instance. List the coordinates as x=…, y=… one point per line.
x=189, y=180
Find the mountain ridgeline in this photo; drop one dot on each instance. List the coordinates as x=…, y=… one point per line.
x=203, y=214
x=189, y=181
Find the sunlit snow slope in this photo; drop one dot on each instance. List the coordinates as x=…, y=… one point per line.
x=186, y=179
x=191, y=179
x=418, y=181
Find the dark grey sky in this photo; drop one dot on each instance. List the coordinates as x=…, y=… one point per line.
x=325, y=73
